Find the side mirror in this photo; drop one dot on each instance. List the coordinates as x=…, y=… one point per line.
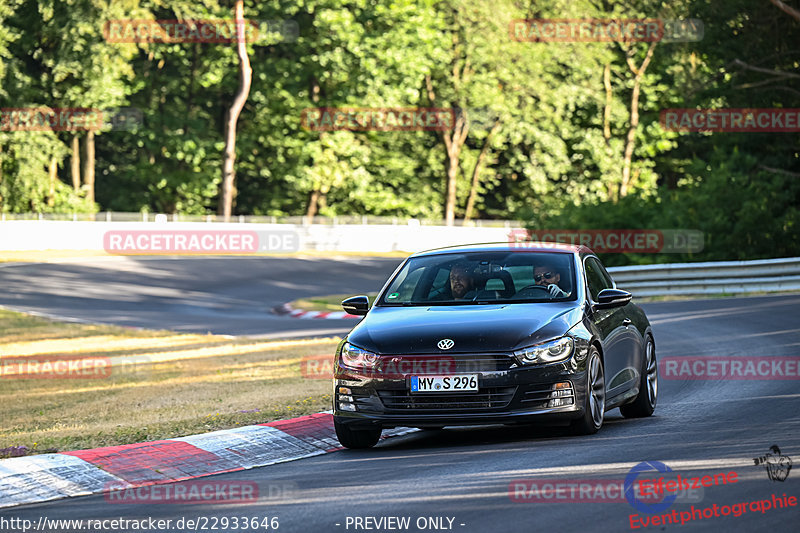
x=609, y=298
x=357, y=305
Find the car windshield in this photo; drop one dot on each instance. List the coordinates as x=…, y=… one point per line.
x=483, y=277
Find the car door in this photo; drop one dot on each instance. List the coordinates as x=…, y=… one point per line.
x=615, y=330
x=634, y=341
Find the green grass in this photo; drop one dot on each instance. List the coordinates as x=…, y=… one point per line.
x=161, y=384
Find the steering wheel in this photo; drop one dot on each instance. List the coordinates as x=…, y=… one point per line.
x=540, y=287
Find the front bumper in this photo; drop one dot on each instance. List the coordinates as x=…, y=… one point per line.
x=513, y=395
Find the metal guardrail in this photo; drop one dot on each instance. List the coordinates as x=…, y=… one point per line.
x=111, y=216
x=719, y=277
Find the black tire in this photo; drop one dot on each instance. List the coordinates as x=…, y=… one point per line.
x=645, y=402
x=595, y=404
x=356, y=438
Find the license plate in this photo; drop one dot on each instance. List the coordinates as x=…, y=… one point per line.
x=461, y=383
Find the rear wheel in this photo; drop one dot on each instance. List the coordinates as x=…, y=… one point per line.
x=595, y=405
x=356, y=438
x=645, y=402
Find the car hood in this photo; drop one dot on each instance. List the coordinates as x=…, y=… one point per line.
x=473, y=328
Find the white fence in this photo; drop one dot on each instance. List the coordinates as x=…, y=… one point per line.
x=21, y=235
x=729, y=277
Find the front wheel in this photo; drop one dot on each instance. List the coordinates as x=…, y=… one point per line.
x=356, y=438
x=594, y=407
x=645, y=402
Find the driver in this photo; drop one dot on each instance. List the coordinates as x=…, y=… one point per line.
x=462, y=283
x=547, y=276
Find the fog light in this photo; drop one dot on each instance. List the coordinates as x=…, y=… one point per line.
x=562, y=395
x=559, y=402
x=346, y=406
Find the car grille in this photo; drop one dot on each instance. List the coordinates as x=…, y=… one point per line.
x=421, y=365
x=486, y=398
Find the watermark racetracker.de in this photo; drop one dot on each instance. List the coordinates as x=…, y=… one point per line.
x=768, y=120
x=378, y=118
x=55, y=367
x=560, y=490
x=199, y=492
x=606, y=30
x=200, y=242
x=724, y=368
x=74, y=366
x=199, y=31
x=387, y=367
x=44, y=118
x=615, y=240
x=397, y=118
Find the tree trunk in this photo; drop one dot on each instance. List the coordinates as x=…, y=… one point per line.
x=311, y=211
x=473, y=191
x=630, y=140
x=795, y=14
x=610, y=185
x=452, y=175
x=1, y=177
x=88, y=166
x=76, y=163
x=245, y=76
x=53, y=175
x=453, y=142
x=314, y=195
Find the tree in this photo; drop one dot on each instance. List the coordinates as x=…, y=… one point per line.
x=245, y=78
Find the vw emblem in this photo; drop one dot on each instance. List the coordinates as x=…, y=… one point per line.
x=445, y=344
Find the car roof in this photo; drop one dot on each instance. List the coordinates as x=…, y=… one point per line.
x=534, y=246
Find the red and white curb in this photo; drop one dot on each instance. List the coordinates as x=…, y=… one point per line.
x=287, y=309
x=46, y=477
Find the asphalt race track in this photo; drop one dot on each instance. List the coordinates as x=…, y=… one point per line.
x=223, y=295
x=699, y=428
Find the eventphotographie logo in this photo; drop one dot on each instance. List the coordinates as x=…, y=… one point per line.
x=775, y=463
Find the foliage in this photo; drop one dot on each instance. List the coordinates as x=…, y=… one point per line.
x=555, y=159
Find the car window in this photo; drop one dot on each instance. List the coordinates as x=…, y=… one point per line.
x=408, y=282
x=440, y=283
x=482, y=277
x=596, y=279
x=605, y=274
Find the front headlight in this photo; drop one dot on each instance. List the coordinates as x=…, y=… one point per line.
x=355, y=357
x=549, y=352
